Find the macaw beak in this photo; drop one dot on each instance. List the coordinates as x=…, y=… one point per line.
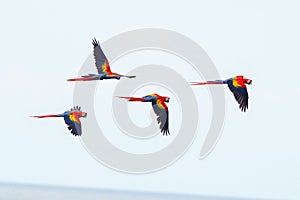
x=249, y=81
x=167, y=99
x=84, y=114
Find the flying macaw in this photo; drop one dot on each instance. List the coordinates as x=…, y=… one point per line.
x=237, y=86
x=102, y=66
x=159, y=107
x=71, y=118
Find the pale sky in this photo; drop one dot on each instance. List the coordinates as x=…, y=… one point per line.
x=44, y=43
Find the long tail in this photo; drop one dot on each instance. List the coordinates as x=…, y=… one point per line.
x=89, y=77
x=45, y=116
x=208, y=82
x=128, y=76
x=132, y=98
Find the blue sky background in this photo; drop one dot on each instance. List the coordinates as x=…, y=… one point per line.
x=43, y=43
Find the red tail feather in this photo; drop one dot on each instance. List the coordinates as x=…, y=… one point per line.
x=81, y=79
x=207, y=83
x=44, y=116
x=132, y=98
x=198, y=83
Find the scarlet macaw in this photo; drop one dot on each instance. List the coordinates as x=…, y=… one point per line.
x=71, y=118
x=159, y=107
x=237, y=86
x=102, y=66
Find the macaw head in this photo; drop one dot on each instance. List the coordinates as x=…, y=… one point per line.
x=245, y=80
x=248, y=81
x=163, y=98
x=77, y=110
x=83, y=114
x=166, y=99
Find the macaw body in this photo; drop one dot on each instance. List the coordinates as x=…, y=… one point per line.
x=237, y=86
x=159, y=107
x=71, y=118
x=102, y=65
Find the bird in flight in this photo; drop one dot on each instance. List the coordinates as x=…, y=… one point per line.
x=102, y=66
x=71, y=118
x=237, y=86
x=159, y=107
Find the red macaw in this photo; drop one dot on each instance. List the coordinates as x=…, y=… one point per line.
x=237, y=86
x=102, y=66
x=159, y=107
x=71, y=118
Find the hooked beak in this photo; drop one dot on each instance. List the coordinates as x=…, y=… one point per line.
x=167, y=99
x=84, y=114
x=249, y=81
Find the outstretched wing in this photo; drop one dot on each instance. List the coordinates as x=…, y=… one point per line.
x=102, y=63
x=161, y=110
x=74, y=124
x=240, y=93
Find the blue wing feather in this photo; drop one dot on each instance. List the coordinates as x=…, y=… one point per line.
x=162, y=118
x=240, y=95
x=100, y=58
x=74, y=127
